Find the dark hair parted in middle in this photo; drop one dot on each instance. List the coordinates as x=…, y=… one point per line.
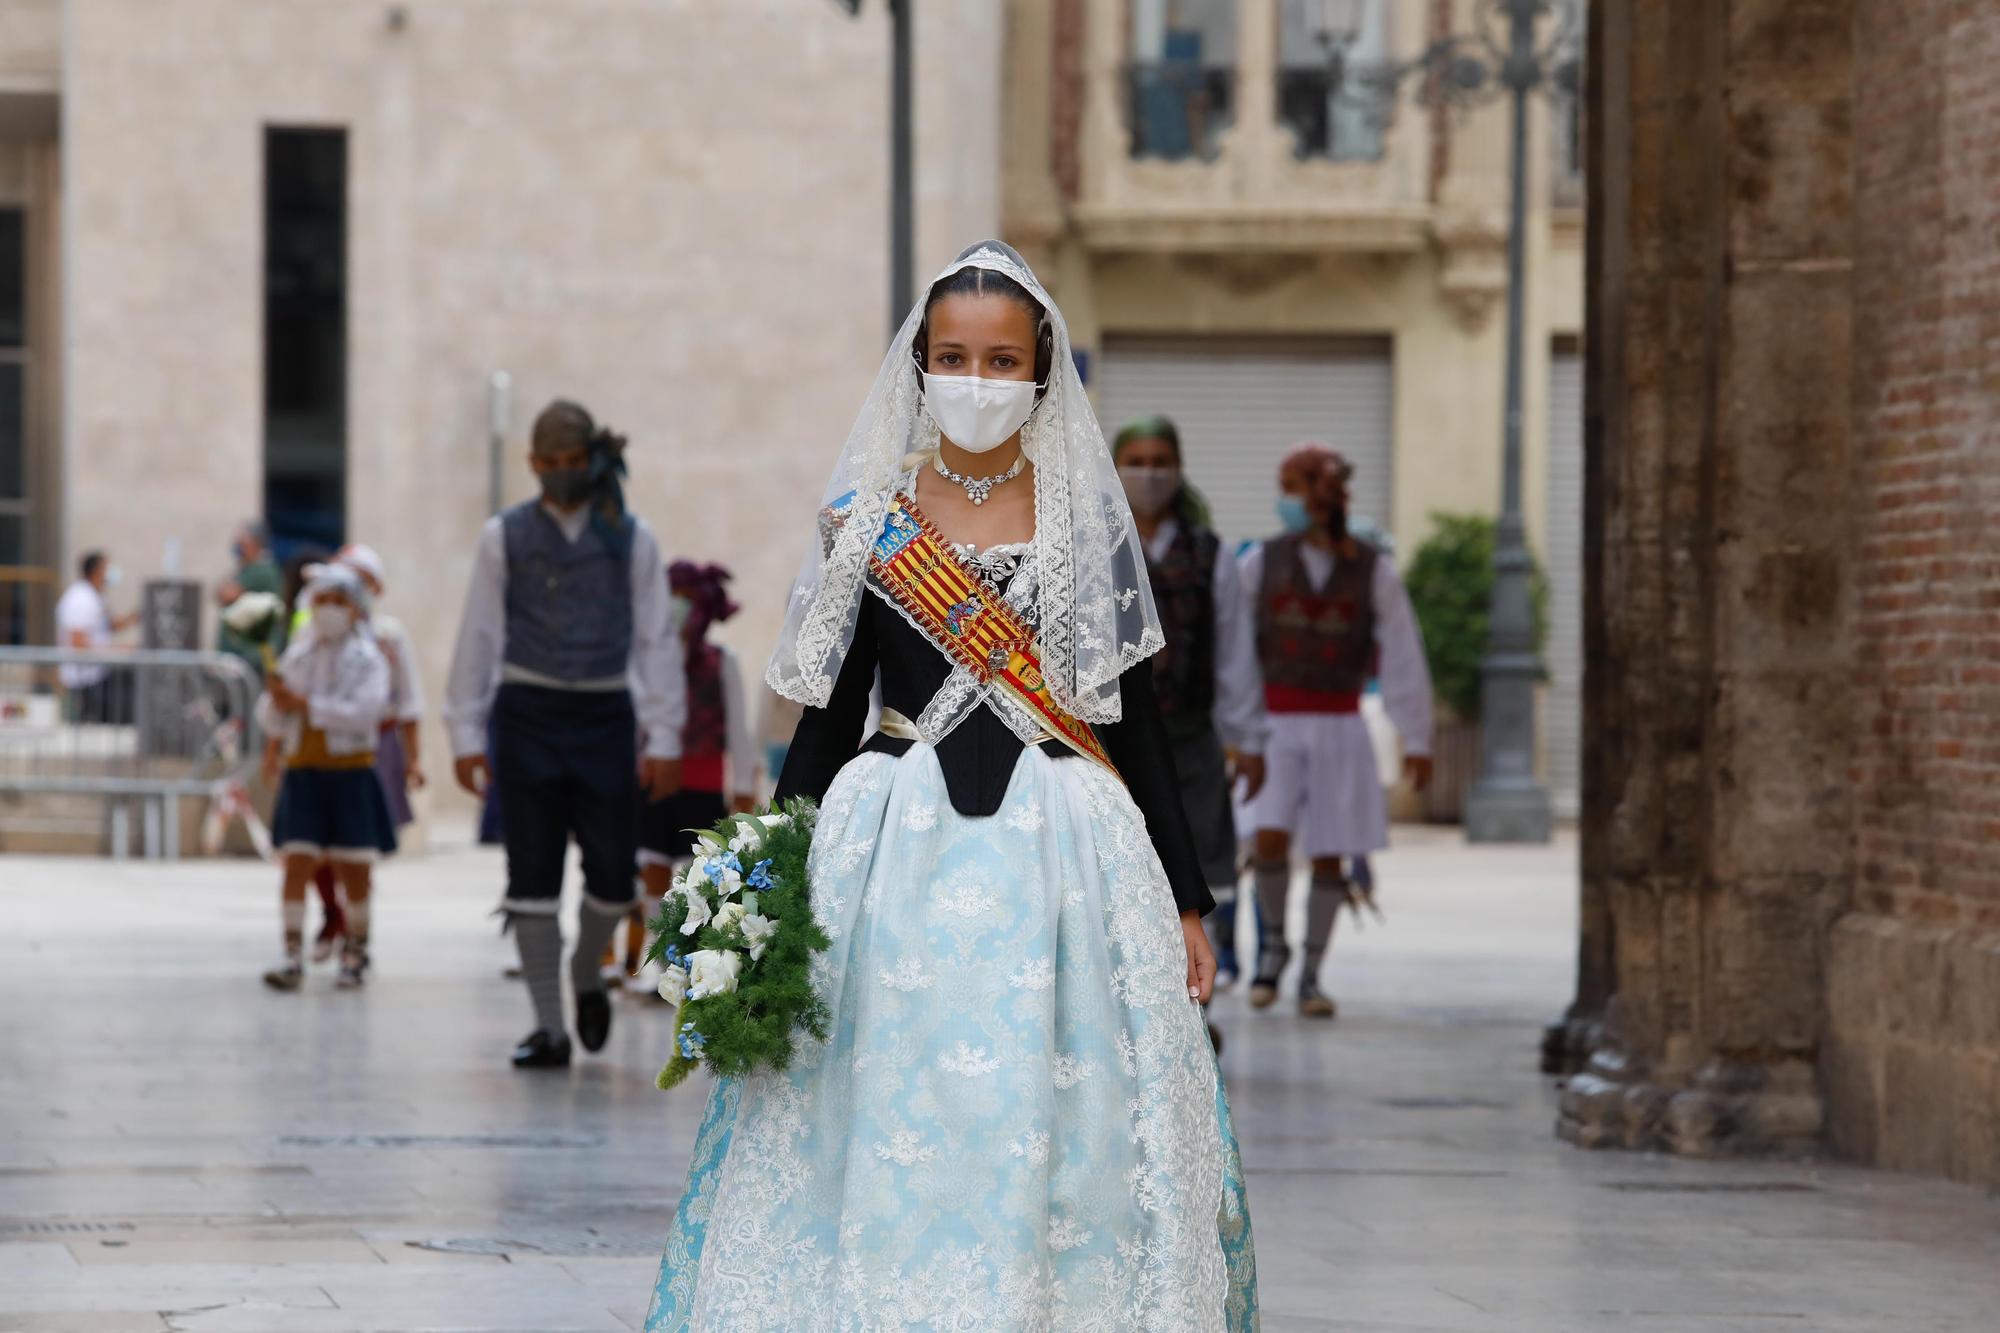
x=976, y=281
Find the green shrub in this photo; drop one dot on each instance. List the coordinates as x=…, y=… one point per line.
x=1450, y=579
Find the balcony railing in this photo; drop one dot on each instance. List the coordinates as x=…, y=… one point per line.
x=1178, y=110
x=1322, y=127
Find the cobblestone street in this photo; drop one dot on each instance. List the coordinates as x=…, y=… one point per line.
x=182, y=1150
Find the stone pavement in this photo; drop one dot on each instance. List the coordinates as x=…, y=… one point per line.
x=181, y=1150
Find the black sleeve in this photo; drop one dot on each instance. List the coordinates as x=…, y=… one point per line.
x=828, y=737
x=1138, y=744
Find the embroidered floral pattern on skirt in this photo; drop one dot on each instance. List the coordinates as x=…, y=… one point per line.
x=1016, y=1122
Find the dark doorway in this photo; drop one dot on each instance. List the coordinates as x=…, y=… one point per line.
x=305, y=335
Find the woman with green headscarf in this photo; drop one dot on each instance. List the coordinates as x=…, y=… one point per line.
x=1207, y=678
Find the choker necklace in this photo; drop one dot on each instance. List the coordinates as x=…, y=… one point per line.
x=978, y=488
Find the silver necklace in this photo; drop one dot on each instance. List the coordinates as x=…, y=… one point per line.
x=978, y=488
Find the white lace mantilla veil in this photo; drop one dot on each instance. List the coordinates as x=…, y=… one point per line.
x=1094, y=608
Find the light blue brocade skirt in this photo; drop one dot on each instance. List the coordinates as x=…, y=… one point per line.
x=1016, y=1121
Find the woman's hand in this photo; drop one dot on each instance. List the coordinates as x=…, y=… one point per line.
x=1201, y=962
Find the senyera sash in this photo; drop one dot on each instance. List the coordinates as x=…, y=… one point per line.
x=968, y=620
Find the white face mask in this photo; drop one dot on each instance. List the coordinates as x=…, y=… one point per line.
x=331, y=621
x=978, y=414
x=1150, y=490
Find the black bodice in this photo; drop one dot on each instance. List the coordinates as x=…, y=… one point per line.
x=979, y=754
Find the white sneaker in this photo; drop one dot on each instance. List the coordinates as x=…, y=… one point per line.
x=613, y=975
x=647, y=981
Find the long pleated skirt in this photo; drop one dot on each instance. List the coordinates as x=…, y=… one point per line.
x=1016, y=1121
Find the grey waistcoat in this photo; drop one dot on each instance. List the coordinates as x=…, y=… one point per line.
x=569, y=604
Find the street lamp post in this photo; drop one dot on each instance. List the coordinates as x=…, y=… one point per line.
x=902, y=200
x=1507, y=803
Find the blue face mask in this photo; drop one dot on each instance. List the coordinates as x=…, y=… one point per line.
x=1292, y=513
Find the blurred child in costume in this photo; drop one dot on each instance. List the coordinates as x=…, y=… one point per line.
x=322, y=711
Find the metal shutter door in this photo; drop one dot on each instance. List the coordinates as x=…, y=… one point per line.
x=1241, y=402
x=1562, y=714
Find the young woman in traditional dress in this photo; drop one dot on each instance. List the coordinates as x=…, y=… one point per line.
x=1016, y=1121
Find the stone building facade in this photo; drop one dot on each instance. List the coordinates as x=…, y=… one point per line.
x=1234, y=245
x=1792, y=789
x=675, y=212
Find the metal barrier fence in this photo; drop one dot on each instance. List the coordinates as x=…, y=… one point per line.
x=144, y=729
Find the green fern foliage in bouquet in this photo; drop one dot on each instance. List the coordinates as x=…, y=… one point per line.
x=735, y=938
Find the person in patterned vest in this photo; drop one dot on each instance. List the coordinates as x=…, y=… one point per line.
x=1331, y=612
x=1207, y=680
x=566, y=646
x=718, y=756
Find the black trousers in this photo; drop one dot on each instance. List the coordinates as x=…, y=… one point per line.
x=566, y=764
x=107, y=701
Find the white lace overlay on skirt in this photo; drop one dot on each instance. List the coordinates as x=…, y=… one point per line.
x=1013, y=1124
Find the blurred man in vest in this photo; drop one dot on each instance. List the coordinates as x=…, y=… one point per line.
x=1331, y=612
x=566, y=646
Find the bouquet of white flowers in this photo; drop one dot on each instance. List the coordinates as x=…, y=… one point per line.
x=736, y=936
x=256, y=616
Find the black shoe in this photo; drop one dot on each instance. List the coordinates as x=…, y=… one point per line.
x=1313, y=1003
x=539, y=1050
x=1263, y=992
x=1271, y=960
x=593, y=1019
x=1215, y=1038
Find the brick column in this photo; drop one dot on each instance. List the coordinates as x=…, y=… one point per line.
x=1717, y=844
x=1912, y=1067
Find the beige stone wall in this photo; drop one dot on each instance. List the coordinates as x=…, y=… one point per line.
x=673, y=211
x=30, y=45
x=959, y=47
x=1257, y=243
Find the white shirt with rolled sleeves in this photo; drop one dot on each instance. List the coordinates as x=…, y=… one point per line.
x=656, y=673
x=1322, y=784
x=1239, y=680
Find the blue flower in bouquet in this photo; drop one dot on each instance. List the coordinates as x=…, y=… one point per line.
x=725, y=872
x=744, y=896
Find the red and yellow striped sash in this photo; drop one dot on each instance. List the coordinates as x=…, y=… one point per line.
x=968, y=620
